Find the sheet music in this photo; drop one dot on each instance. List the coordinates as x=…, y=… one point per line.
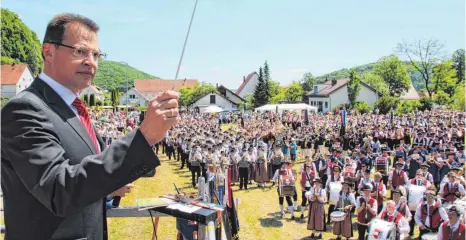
x=184, y=207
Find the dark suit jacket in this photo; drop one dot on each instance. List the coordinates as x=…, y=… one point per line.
x=53, y=184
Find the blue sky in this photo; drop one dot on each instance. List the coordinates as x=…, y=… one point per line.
x=231, y=38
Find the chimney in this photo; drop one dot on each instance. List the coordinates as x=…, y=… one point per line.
x=334, y=81
x=244, y=78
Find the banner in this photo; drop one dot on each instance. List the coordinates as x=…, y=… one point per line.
x=343, y=118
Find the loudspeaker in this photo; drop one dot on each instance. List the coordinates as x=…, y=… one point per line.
x=141, y=117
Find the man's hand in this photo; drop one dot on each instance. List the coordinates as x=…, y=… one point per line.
x=122, y=191
x=161, y=115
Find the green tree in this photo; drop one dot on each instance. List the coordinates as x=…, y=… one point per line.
x=113, y=75
x=294, y=92
x=423, y=57
x=386, y=103
x=459, y=97
x=354, y=86
x=394, y=73
x=267, y=93
x=280, y=96
x=407, y=106
x=376, y=82
x=186, y=96
x=19, y=43
x=444, y=78
x=202, y=89
x=248, y=103
x=363, y=107
x=260, y=97
x=92, y=100
x=274, y=88
x=442, y=98
x=426, y=103
x=458, y=64
x=306, y=84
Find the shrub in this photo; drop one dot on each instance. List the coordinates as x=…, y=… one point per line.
x=407, y=106
x=362, y=107
x=426, y=103
x=386, y=103
x=442, y=98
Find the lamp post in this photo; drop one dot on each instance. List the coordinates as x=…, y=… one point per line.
x=126, y=77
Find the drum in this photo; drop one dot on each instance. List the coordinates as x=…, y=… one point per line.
x=381, y=165
x=429, y=236
x=415, y=196
x=335, y=188
x=460, y=203
x=337, y=216
x=380, y=229
x=286, y=186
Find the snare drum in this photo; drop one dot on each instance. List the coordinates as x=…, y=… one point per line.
x=429, y=236
x=380, y=229
x=337, y=216
x=415, y=196
x=286, y=186
x=335, y=188
x=381, y=165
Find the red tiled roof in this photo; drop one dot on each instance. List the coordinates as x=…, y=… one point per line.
x=243, y=84
x=328, y=90
x=160, y=85
x=11, y=73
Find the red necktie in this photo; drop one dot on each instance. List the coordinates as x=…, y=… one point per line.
x=86, y=121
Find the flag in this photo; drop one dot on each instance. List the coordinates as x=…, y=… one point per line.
x=343, y=118
x=306, y=117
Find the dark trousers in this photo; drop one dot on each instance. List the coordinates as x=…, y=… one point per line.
x=331, y=208
x=243, y=178
x=157, y=148
x=184, y=156
x=170, y=152
x=288, y=199
x=303, y=196
x=295, y=196
x=204, y=171
x=362, y=232
x=275, y=168
x=179, y=153
x=164, y=147
x=411, y=224
x=195, y=170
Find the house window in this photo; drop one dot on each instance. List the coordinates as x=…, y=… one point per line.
x=19, y=86
x=326, y=104
x=212, y=99
x=132, y=96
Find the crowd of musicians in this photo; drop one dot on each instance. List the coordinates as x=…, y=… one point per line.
x=351, y=167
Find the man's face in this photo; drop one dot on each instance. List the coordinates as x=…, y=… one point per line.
x=75, y=73
x=396, y=197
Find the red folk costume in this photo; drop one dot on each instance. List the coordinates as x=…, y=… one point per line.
x=316, y=213
x=433, y=214
x=378, y=187
x=450, y=196
x=366, y=216
x=415, y=182
x=447, y=233
x=398, y=179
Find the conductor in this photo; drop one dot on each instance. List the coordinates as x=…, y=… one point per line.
x=56, y=173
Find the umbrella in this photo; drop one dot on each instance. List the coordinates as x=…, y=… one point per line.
x=213, y=109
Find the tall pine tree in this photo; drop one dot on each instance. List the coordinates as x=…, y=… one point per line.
x=266, y=81
x=259, y=91
x=353, y=87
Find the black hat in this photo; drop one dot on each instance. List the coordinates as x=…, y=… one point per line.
x=397, y=190
x=368, y=171
x=317, y=180
x=399, y=164
x=425, y=165
x=366, y=187
x=363, y=152
x=456, y=209
x=346, y=182
x=336, y=166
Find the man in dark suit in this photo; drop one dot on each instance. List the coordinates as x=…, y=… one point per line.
x=56, y=172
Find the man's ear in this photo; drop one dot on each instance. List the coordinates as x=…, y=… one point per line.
x=47, y=50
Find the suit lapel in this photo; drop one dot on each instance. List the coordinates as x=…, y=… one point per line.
x=62, y=109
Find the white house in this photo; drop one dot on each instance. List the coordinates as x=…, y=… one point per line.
x=146, y=89
x=214, y=99
x=248, y=85
x=230, y=95
x=332, y=93
x=98, y=93
x=15, y=78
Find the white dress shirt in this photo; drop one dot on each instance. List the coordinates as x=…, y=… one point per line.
x=374, y=206
x=403, y=225
x=417, y=215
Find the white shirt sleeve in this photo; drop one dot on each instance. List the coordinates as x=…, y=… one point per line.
x=443, y=214
x=352, y=199
x=403, y=226
x=390, y=176
x=324, y=195
x=275, y=176
x=430, y=178
x=441, y=188
x=461, y=189
x=440, y=232
x=384, y=190
x=405, y=176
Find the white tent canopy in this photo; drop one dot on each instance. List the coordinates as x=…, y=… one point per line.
x=286, y=107
x=212, y=109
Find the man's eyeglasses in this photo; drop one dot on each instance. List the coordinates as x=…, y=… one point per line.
x=83, y=52
x=418, y=174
